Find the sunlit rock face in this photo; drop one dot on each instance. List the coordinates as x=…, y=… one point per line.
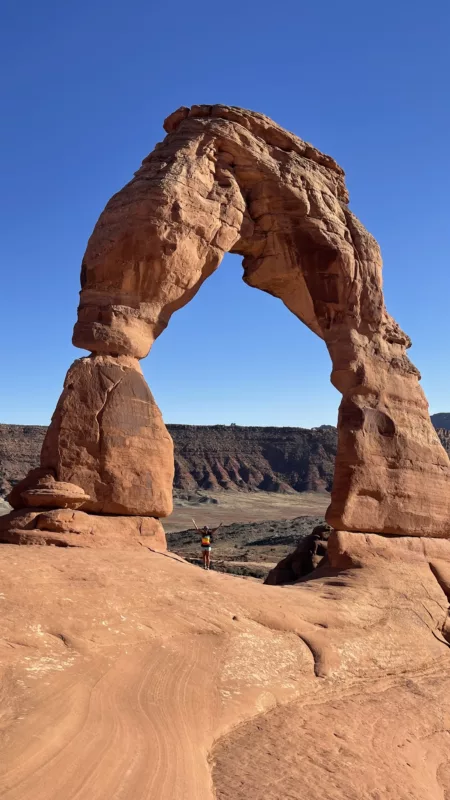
x=229, y=180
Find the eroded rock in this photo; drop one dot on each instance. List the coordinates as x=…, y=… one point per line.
x=57, y=495
x=229, y=180
x=307, y=556
x=226, y=179
x=107, y=436
x=70, y=528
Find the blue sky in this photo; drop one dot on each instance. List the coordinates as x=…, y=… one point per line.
x=85, y=88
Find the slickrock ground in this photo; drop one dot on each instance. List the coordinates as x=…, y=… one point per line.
x=134, y=675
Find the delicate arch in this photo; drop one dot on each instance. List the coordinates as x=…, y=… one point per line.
x=225, y=179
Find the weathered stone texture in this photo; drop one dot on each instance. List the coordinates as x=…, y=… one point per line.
x=225, y=179
x=69, y=528
x=107, y=436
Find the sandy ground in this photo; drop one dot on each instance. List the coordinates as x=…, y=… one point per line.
x=132, y=675
x=245, y=507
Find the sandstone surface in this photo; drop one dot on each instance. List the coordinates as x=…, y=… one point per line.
x=107, y=436
x=131, y=674
x=345, y=549
x=69, y=528
x=226, y=179
x=40, y=489
x=56, y=495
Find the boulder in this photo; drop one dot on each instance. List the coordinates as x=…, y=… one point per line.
x=40, y=489
x=57, y=495
x=35, y=478
x=310, y=553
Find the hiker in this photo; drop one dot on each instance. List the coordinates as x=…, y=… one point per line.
x=206, y=534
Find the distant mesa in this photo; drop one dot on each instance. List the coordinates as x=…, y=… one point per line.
x=210, y=457
x=441, y=420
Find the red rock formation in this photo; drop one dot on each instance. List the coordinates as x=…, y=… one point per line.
x=225, y=179
x=69, y=528
x=41, y=489
x=107, y=436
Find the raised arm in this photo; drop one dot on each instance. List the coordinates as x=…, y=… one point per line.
x=214, y=530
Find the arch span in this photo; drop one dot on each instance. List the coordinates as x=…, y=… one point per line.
x=225, y=179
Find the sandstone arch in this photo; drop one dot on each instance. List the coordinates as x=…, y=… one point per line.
x=225, y=179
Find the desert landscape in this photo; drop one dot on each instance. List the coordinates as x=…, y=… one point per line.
x=313, y=662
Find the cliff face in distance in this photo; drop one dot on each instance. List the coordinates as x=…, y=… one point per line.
x=237, y=457
x=212, y=457
x=441, y=420
x=20, y=447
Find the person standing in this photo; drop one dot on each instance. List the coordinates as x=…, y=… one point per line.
x=206, y=534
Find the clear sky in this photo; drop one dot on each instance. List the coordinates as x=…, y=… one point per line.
x=85, y=87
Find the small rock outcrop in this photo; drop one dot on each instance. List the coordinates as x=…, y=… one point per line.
x=308, y=555
x=71, y=528
x=230, y=180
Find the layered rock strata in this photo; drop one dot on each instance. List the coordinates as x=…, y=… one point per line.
x=229, y=180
